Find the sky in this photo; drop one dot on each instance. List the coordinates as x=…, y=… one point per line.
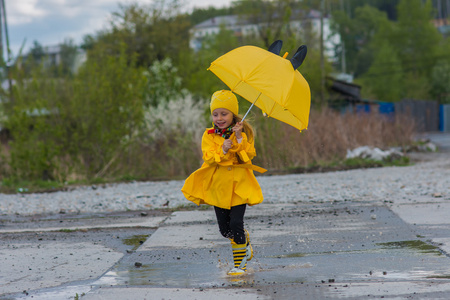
x=51, y=22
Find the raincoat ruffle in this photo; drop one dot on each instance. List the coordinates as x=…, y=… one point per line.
x=222, y=181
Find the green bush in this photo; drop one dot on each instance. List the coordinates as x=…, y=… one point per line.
x=68, y=128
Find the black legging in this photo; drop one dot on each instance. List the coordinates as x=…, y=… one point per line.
x=231, y=222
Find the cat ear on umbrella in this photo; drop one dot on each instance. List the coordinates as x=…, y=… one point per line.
x=275, y=48
x=299, y=57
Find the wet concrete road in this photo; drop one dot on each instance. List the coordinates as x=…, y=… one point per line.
x=339, y=250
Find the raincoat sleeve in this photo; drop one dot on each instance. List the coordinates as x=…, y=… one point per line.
x=212, y=151
x=245, y=149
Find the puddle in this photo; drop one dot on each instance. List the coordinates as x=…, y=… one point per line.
x=415, y=245
x=391, y=290
x=241, y=281
x=439, y=277
x=300, y=254
x=135, y=241
x=162, y=274
x=198, y=275
x=294, y=255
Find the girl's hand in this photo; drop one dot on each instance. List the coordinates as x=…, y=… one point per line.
x=238, y=130
x=227, y=144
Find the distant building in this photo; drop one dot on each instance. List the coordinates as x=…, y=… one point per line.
x=301, y=23
x=52, y=56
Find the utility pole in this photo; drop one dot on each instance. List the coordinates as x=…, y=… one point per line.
x=343, y=59
x=7, y=61
x=1, y=34
x=5, y=25
x=322, y=59
x=448, y=9
x=439, y=8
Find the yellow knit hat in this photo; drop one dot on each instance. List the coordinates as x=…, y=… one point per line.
x=224, y=99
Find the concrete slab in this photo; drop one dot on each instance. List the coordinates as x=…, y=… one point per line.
x=184, y=237
x=268, y=209
x=425, y=214
x=444, y=244
x=190, y=216
x=207, y=235
x=424, y=199
x=148, y=223
x=174, y=294
x=210, y=216
x=37, y=266
x=383, y=288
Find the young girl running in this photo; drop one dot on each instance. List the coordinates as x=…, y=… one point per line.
x=226, y=180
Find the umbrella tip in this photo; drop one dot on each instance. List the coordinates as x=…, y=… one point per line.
x=285, y=54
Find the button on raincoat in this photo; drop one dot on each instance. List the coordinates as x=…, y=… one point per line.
x=222, y=181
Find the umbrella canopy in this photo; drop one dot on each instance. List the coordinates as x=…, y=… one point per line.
x=269, y=81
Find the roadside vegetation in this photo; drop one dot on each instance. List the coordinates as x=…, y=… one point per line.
x=136, y=108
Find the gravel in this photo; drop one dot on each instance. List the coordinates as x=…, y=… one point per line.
x=428, y=179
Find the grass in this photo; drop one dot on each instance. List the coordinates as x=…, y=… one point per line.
x=347, y=164
x=135, y=241
x=9, y=186
x=370, y=163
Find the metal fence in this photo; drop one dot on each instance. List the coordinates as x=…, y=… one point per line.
x=425, y=113
x=444, y=117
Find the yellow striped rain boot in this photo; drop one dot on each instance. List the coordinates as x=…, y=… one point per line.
x=249, y=248
x=239, y=258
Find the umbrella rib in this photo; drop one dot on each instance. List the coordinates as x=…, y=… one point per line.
x=250, y=107
x=271, y=110
x=233, y=89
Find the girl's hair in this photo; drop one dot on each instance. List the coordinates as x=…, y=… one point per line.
x=247, y=128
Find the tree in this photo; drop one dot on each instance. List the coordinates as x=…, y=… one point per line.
x=416, y=87
x=413, y=44
x=163, y=83
x=68, y=53
x=416, y=42
x=440, y=75
x=199, y=15
x=384, y=78
x=193, y=68
x=37, y=51
x=415, y=38
x=153, y=32
x=78, y=124
x=269, y=17
x=440, y=80
x=357, y=33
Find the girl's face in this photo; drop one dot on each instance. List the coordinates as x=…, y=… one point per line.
x=222, y=117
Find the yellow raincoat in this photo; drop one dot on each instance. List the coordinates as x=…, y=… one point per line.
x=222, y=181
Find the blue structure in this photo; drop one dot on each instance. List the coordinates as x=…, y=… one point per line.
x=386, y=108
x=362, y=108
x=444, y=117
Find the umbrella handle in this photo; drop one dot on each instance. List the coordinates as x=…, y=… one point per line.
x=250, y=108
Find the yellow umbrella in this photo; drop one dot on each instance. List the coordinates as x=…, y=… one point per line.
x=269, y=81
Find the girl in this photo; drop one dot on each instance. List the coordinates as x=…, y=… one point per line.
x=226, y=180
